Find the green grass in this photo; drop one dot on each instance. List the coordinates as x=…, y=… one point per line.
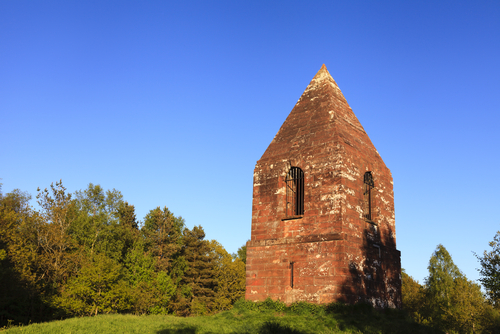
x=246, y=317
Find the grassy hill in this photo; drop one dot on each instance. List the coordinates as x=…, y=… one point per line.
x=245, y=317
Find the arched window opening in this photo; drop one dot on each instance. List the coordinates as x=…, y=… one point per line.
x=367, y=207
x=295, y=192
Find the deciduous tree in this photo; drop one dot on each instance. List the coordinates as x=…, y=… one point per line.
x=230, y=276
x=490, y=271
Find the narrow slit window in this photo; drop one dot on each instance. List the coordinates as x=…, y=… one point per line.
x=295, y=192
x=291, y=274
x=368, y=185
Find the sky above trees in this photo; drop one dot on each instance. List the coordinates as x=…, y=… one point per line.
x=172, y=103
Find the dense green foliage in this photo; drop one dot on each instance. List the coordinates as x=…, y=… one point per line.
x=448, y=300
x=86, y=254
x=267, y=317
x=490, y=271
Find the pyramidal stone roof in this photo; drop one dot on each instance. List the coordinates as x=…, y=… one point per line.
x=321, y=116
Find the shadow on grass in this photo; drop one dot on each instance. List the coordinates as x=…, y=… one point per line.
x=272, y=327
x=180, y=329
x=269, y=327
x=363, y=318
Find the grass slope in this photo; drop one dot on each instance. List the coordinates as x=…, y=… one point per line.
x=246, y=317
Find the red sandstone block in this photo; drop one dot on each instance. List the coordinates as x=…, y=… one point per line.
x=264, y=258
x=303, y=280
x=256, y=297
x=265, y=213
x=259, y=249
x=250, y=274
x=323, y=281
x=282, y=281
x=324, y=226
x=259, y=237
x=327, y=298
x=310, y=289
x=257, y=267
x=265, y=199
x=278, y=265
x=251, y=290
x=271, y=273
x=262, y=219
x=256, y=282
x=275, y=289
x=332, y=280
x=331, y=248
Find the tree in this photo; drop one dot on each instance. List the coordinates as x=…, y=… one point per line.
x=196, y=292
x=466, y=313
x=99, y=287
x=230, y=277
x=163, y=234
x=22, y=280
x=54, y=242
x=490, y=271
x=95, y=224
x=413, y=295
x=151, y=290
x=442, y=273
x=241, y=254
x=453, y=303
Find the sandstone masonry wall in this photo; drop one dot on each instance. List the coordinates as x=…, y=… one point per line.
x=335, y=253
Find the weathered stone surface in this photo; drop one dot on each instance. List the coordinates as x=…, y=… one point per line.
x=336, y=253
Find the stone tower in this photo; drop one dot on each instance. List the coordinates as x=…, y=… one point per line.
x=323, y=226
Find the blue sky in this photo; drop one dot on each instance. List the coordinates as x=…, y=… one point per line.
x=172, y=103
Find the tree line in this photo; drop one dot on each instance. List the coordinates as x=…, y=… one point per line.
x=86, y=253
x=452, y=303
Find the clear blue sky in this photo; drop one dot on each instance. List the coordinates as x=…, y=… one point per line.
x=172, y=103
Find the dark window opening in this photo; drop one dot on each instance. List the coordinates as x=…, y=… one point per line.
x=295, y=192
x=291, y=274
x=368, y=185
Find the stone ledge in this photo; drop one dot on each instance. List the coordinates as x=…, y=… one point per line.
x=296, y=240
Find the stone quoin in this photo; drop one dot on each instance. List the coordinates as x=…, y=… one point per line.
x=323, y=224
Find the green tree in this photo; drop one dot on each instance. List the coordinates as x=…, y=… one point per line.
x=96, y=222
x=442, y=273
x=21, y=274
x=467, y=311
x=230, y=277
x=490, y=271
x=413, y=296
x=452, y=302
x=54, y=243
x=241, y=254
x=196, y=293
x=163, y=235
x=99, y=287
x=152, y=290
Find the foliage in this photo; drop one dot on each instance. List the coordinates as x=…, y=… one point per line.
x=87, y=254
x=163, y=234
x=448, y=301
x=196, y=293
x=230, y=277
x=413, y=295
x=21, y=270
x=490, y=271
x=442, y=273
x=95, y=224
x=241, y=254
x=99, y=287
